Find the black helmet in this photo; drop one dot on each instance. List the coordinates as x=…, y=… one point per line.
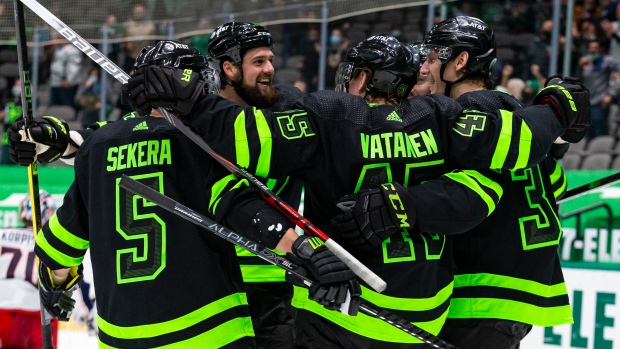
x=418, y=47
x=175, y=54
x=230, y=41
x=463, y=33
x=393, y=66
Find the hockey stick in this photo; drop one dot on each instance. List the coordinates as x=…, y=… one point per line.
x=586, y=188
x=188, y=214
x=373, y=280
x=33, y=169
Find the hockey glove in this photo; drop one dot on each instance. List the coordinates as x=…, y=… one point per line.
x=571, y=98
x=56, y=299
x=46, y=140
x=373, y=215
x=335, y=284
x=162, y=87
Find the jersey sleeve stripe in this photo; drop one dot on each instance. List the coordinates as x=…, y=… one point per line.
x=242, y=148
x=472, y=182
x=217, y=191
x=266, y=144
x=525, y=144
x=503, y=143
x=55, y=254
x=66, y=236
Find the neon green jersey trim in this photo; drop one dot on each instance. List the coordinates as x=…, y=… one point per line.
x=180, y=323
x=533, y=287
x=466, y=308
x=242, y=148
x=525, y=144
x=66, y=236
x=374, y=328
x=218, y=337
x=503, y=143
x=266, y=144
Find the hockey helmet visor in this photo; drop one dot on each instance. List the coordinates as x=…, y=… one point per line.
x=432, y=52
x=344, y=74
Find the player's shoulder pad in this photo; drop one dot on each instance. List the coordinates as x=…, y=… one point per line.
x=488, y=100
x=417, y=109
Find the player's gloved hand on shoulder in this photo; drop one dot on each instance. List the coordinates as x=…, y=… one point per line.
x=162, y=87
x=373, y=215
x=56, y=299
x=46, y=140
x=335, y=285
x=571, y=98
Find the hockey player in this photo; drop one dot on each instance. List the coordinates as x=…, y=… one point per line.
x=338, y=143
x=146, y=295
x=493, y=304
x=241, y=53
x=20, y=308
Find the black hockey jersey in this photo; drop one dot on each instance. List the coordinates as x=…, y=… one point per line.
x=508, y=267
x=160, y=279
x=337, y=144
x=253, y=268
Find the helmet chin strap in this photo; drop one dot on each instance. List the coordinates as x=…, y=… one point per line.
x=449, y=84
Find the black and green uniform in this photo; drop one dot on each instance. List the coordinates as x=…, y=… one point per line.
x=508, y=267
x=269, y=295
x=161, y=281
x=337, y=144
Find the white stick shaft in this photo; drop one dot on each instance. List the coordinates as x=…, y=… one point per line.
x=374, y=281
x=358, y=268
x=77, y=40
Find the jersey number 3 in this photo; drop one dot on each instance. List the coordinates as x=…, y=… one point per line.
x=144, y=231
x=542, y=228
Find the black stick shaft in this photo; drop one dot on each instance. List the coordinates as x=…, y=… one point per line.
x=186, y=213
x=586, y=188
x=33, y=169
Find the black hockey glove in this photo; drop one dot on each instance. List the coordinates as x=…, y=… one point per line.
x=162, y=87
x=335, y=284
x=56, y=299
x=571, y=98
x=48, y=139
x=373, y=215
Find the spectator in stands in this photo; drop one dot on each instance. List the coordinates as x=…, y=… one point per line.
x=115, y=30
x=137, y=27
x=397, y=31
x=519, y=19
x=65, y=75
x=310, y=69
x=12, y=111
x=336, y=50
x=301, y=85
x=596, y=70
x=293, y=40
x=539, y=50
x=200, y=41
x=88, y=98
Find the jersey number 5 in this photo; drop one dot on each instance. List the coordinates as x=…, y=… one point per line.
x=143, y=230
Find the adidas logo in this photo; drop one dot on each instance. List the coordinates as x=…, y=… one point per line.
x=141, y=126
x=394, y=117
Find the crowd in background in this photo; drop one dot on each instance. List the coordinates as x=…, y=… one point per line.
x=523, y=30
